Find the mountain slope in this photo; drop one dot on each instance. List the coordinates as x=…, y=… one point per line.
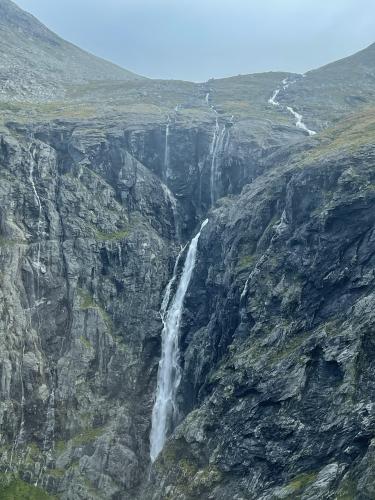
x=37, y=64
x=327, y=94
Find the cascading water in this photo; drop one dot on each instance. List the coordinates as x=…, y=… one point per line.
x=20, y=435
x=213, y=153
x=49, y=436
x=166, y=149
x=217, y=147
x=272, y=100
x=299, y=118
x=299, y=122
x=165, y=411
x=39, y=205
x=172, y=200
x=19, y=439
x=167, y=175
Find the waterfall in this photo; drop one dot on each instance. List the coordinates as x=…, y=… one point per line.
x=299, y=122
x=165, y=412
x=272, y=100
x=49, y=437
x=31, y=179
x=39, y=267
x=19, y=439
x=217, y=146
x=172, y=200
x=299, y=118
x=213, y=153
x=166, y=148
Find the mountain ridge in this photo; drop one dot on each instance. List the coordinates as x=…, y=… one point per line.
x=46, y=62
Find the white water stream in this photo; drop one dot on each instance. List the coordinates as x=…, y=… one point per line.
x=19, y=439
x=166, y=150
x=217, y=147
x=37, y=264
x=20, y=435
x=173, y=202
x=299, y=118
x=165, y=411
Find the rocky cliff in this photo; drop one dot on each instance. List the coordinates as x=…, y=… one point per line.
x=98, y=193
x=277, y=352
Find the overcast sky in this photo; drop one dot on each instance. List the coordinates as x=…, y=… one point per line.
x=199, y=39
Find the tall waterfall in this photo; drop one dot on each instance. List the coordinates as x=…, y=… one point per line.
x=165, y=411
x=38, y=202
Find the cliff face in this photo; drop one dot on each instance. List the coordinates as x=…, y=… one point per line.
x=97, y=195
x=89, y=236
x=277, y=349
x=72, y=361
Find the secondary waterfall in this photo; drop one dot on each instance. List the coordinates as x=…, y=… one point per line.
x=19, y=439
x=172, y=200
x=166, y=150
x=217, y=147
x=38, y=202
x=49, y=437
x=299, y=118
x=299, y=122
x=165, y=411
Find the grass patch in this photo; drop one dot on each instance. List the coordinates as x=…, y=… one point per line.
x=116, y=236
x=86, y=300
x=300, y=483
x=56, y=473
x=60, y=446
x=289, y=347
x=245, y=262
x=33, y=453
x=349, y=135
x=85, y=342
x=13, y=488
x=81, y=439
x=347, y=490
x=6, y=242
x=87, y=436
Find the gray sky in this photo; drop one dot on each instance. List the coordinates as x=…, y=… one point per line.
x=199, y=39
